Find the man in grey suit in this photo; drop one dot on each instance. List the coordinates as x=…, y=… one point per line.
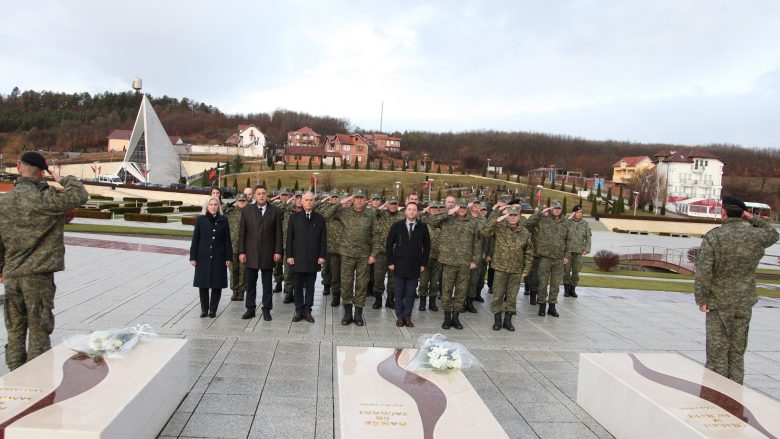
x=260, y=248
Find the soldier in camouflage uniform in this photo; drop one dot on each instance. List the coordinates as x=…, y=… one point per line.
x=281, y=200
x=513, y=256
x=552, y=247
x=293, y=206
x=725, y=286
x=331, y=271
x=31, y=250
x=359, y=246
x=372, y=204
x=475, y=281
x=430, y=279
x=579, y=245
x=237, y=269
x=384, y=219
x=459, y=251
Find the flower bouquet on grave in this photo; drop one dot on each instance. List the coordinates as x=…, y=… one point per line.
x=110, y=343
x=440, y=354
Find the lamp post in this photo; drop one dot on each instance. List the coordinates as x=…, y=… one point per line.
x=430, y=186
x=397, y=188
x=425, y=161
x=636, y=199
x=487, y=171
x=315, y=174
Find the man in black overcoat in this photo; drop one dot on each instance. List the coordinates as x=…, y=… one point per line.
x=307, y=242
x=260, y=248
x=408, y=247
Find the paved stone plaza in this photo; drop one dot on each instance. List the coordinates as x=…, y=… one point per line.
x=276, y=379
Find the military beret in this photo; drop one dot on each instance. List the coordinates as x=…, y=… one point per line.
x=733, y=203
x=35, y=159
x=392, y=199
x=359, y=193
x=576, y=208
x=475, y=200
x=556, y=204
x=513, y=210
x=375, y=197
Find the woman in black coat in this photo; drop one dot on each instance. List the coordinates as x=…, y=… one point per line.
x=211, y=253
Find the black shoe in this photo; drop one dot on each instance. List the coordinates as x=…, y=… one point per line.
x=203, y=314
x=336, y=301
x=508, y=321
x=422, y=304
x=297, y=317
x=359, y=316
x=527, y=293
x=533, y=298
x=497, y=323
x=390, y=302
x=248, y=314
x=447, y=320
x=551, y=310
x=278, y=288
x=566, y=290
x=266, y=315
x=456, y=321
x=347, y=319
x=326, y=290
x=573, y=292
x=288, y=298
x=542, y=309
x=478, y=297
x=490, y=290
x=470, y=305
x=212, y=315
x=432, y=303
x=377, y=301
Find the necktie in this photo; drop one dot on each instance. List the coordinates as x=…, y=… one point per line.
x=411, y=229
x=308, y=215
x=262, y=210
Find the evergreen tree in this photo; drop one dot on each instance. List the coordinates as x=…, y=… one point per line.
x=403, y=165
x=235, y=184
x=663, y=210
x=438, y=193
x=507, y=176
x=460, y=195
x=544, y=177
x=563, y=185
x=264, y=183
x=598, y=193
x=278, y=184
x=607, y=207
x=548, y=202
x=495, y=172
x=593, y=208
x=333, y=163
x=495, y=197
x=226, y=170
x=609, y=195
x=620, y=206
x=381, y=165
x=368, y=164
x=565, y=209
x=392, y=165
x=284, y=168
x=585, y=185
x=403, y=196
x=356, y=165
x=517, y=178
x=295, y=186
x=438, y=170
x=552, y=184
x=248, y=183
x=310, y=158
x=484, y=171
x=343, y=163
x=322, y=162
x=273, y=165
x=574, y=187
x=297, y=165
x=449, y=169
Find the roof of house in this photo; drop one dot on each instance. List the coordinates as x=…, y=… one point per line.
x=125, y=135
x=242, y=127
x=305, y=150
x=349, y=139
x=686, y=156
x=630, y=161
x=304, y=130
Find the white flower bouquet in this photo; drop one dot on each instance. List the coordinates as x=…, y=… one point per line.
x=110, y=343
x=440, y=354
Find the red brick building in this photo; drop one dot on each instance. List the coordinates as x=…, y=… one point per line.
x=348, y=147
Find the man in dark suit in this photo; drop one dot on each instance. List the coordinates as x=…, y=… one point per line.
x=408, y=246
x=307, y=246
x=260, y=248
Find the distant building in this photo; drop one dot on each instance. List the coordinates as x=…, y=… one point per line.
x=248, y=141
x=119, y=139
x=302, y=154
x=624, y=170
x=348, y=147
x=303, y=137
x=689, y=174
x=380, y=142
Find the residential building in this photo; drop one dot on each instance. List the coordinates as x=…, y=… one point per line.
x=689, y=174
x=624, y=170
x=349, y=147
x=118, y=140
x=303, y=137
x=302, y=155
x=248, y=141
x=380, y=142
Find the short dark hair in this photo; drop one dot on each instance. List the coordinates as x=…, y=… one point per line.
x=417, y=205
x=733, y=211
x=260, y=186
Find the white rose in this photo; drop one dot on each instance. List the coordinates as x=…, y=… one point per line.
x=117, y=344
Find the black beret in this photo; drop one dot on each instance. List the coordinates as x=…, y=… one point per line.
x=576, y=208
x=733, y=203
x=35, y=159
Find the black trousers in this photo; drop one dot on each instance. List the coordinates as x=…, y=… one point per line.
x=303, y=292
x=491, y=275
x=405, y=289
x=209, y=305
x=251, y=288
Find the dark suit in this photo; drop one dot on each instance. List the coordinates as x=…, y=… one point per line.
x=407, y=254
x=260, y=237
x=307, y=241
x=211, y=249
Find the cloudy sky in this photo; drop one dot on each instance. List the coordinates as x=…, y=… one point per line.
x=683, y=71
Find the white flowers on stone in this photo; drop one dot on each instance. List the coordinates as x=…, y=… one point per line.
x=442, y=357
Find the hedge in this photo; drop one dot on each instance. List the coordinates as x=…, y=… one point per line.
x=146, y=218
x=159, y=209
x=154, y=204
x=143, y=200
x=124, y=210
x=190, y=208
x=107, y=205
x=100, y=197
x=133, y=204
x=173, y=202
x=188, y=220
x=91, y=213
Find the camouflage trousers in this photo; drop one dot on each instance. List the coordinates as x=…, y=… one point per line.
x=454, y=284
x=237, y=274
x=550, y=274
x=331, y=273
x=571, y=271
x=380, y=273
x=727, y=337
x=279, y=270
x=506, y=286
x=430, y=279
x=29, y=301
x=289, y=278
x=354, y=280
x=477, y=278
x=532, y=280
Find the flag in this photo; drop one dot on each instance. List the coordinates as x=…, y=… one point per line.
x=212, y=174
x=312, y=180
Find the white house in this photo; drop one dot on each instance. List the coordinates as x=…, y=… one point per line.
x=689, y=174
x=250, y=136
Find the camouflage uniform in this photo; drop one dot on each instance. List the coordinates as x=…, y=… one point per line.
x=237, y=269
x=384, y=219
x=512, y=257
x=579, y=243
x=279, y=267
x=331, y=271
x=430, y=279
x=552, y=243
x=31, y=250
x=289, y=278
x=460, y=246
x=532, y=280
x=726, y=283
x=355, y=248
x=477, y=276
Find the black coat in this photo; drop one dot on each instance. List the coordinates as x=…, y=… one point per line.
x=408, y=255
x=260, y=237
x=210, y=249
x=307, y=240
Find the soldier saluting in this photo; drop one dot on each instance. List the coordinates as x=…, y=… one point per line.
x=725, y=286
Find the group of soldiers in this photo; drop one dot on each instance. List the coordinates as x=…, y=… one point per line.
x=470, y=243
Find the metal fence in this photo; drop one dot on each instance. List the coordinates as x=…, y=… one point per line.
x=672, y=256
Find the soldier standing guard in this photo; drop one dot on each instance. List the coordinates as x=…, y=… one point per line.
x=281, y=201
x=725, y=286
x=579, y=242
x=477, y=277
x=31, y=249
x=237, y=282
x=430, y=279
x=384, y=219
x=331, y=271
x=552, y=244
x=294, y=205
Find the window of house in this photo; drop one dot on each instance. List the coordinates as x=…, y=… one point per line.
x=360, y=159
x=346, y=147
x=298, y=157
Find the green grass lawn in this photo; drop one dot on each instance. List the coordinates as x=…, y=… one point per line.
x=130, y=230
x=607, y=281
x=657, y=274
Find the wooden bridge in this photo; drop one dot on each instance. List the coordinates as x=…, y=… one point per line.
x=671, y=259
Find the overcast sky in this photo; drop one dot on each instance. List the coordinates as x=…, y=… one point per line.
x=681, y=71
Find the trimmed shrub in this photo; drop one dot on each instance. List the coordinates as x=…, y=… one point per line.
x=172, y=203
x=100, y=197
x=133, y=204
x=154, y=204
x=124, y=210
x=92, y=213
x=606, y=260
x=158, y=209
x=146, y=218
x=188, y=220
x=107, y=205
x=143, y=200
x=190, y=209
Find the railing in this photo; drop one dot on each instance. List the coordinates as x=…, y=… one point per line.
x=671, y=257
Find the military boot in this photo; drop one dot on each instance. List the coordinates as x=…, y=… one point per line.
x=288, y=298
x=447, y=320
x=551, y=310
x=478, y=297
x=432, y=303
x=336, y=301
x=497, y=324
x=533, y=297
x=470, y=305
x=422, y=304
x=526, y=291
x=566, y=290
x=377, y=301
x=278, y=288
x=326, y=290
x=240, y=297
x=456, y=321
x=359, y=316
x=347, y=315
x=390, y=302
x=542, y=310
x=234, y=296
x=573, y=292
x=508, y=321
